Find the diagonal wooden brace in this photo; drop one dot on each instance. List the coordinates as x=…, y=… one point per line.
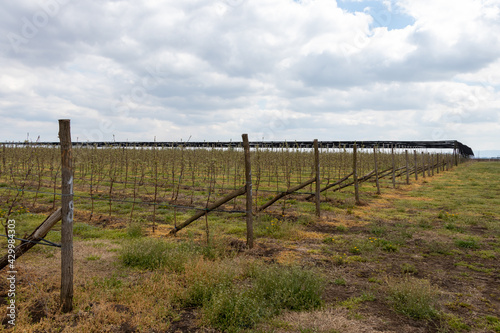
x=40, y=232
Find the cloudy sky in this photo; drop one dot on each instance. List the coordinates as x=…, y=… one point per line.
x=275, y=69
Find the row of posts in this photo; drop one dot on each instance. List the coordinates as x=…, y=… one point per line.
x=429, y=167
x=67, y=196
x=426, y=167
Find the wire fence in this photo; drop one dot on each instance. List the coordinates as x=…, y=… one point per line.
x=165, y=180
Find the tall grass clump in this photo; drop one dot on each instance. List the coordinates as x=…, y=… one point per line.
x=468, y=243
x=291, y=288
x=415, y=298
x=152, y=254
x=231, y=309
x=87, y=231
x=204, y=278
x=230, y=305
x=135, y=230
x=277, y=228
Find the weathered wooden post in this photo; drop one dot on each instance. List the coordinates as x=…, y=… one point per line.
x=431, y=156
x=407, y=170
x=423, y=164
x=3, y=157
x=155, y=162
x=437, y=163
x=429, y=162
x=66, y=216
x=355, y=173
x=376, y=169
x=248, y=187
x=393, y=168
x=455, y=153
x=416, y=166
x=318, y=179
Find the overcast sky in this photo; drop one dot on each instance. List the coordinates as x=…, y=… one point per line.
x=275, y=69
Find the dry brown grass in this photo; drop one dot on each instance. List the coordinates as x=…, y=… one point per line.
x=327, y=321
x=106, y=298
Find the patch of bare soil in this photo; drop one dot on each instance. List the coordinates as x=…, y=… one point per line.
x=38, y=310
x=267, y=250
x=187, y=323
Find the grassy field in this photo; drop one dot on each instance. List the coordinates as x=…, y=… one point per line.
x=418, y=258
x=163, y=186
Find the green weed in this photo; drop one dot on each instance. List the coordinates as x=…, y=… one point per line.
x=354, y=250
x=87, y=231
x=290, y=288
x=339, y=260
x=492, y=322
x=456, y=323
x=469, y=243
x=474, y=267
x=328, y=240
x=107, y=283
x=354, y=302
x=390, y=247
x=414, y=298
x=408, y=269
x=374, y=280
x=340, y=282
x=135, y=230
x=378, y=230
x=341, y=228
x=152, y=254
x=436, y=247
x=424, y=224
x=204, y=278
x=232, y=309
x=453, y=227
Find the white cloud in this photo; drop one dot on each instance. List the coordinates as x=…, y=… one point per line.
x=279, y=69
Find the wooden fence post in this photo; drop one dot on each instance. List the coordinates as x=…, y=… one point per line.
x=407, y=170
x=455, y=154
x=432, y=164
x=248, y=187
x=355, y=173
x=156, y=187
x=376, y=169
x=3, y=157
x=423, y=164
x=318, y=179
x=429, y=164
x=393, y=168
x=66, y=216
x=416, y=166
